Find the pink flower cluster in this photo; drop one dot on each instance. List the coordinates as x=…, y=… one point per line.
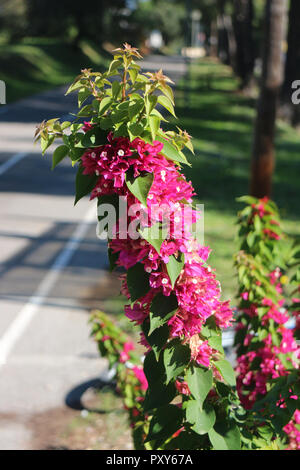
x=260, y=210
x=252, y=381
x=124, y=355
x=257, y=367
x=139, y=373
x=268, y=355
x=197, y=291
x=293, y=432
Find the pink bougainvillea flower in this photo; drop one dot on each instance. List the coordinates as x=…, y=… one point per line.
x=124, y=355
x=182, y=387
x=139, y=373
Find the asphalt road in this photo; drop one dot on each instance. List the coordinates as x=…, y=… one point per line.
x=51, y=262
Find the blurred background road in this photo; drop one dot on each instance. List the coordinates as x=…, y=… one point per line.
x=51, y=265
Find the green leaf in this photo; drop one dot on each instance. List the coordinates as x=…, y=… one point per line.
x=93, y=138
x=200, y=382
x=226, y=370
x=186, y=440
x=155, y=235
x=114, y=65
x=155, y=112
x=166, y=103
x=251, y=239
x=257, y=224
x=137, y=282
x=106, y=123
x=188, y=144
x=176, y=358
x=45, y=143
x=116, y=88
x=105, y=104
x=165, y=421
x=84, y=184
x=133, y=74
x=154, y=123
x=135, y=107
x=174, y=267
x=74, y=86
x=222, y=389
x=135, y=129
x=59, y=154
x=216, y=343
x=171, y=152
x=83, y=94
x=162, y=308
x=167, y=91
x=202, y=419
x=140, y=186
x=247, y=200
x=159, y=394
x=225, y=436
x=210, y=328
x=112, y=258
x=76, y=153
x=65, y=125
x=158, y=338
x=119, y=115
x=154, y=370
x=86, y=111
x=151, y=101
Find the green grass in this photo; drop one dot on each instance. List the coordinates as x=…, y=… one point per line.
x=35, y=65
x=220, y=119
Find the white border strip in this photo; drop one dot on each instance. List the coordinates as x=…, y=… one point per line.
x=30, y=309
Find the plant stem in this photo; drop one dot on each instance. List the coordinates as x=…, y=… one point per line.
x=124, y=85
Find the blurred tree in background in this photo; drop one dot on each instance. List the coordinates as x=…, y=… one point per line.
x=166, y=16
x=12, y=18
x=231, y=30
x=74, y=20
x=243, y=28
x=271, y=81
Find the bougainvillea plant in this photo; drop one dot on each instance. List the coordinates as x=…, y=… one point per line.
x=122, y=154
x=131, y=384
x=268, y=354
x=129, y=376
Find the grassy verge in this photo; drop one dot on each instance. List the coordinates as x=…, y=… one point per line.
x=220, y=120
x=35, y=65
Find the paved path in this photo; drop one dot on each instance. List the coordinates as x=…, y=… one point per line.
x=51, y=261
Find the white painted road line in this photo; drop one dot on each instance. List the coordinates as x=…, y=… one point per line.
x=30, y=309
x=12, y=161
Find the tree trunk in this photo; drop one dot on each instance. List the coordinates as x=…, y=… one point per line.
x=223, y=44
x=231, y=40
x=292, y=65
x=213, y=40
x=242, y=24
x=226, y=37
x=272, y=68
